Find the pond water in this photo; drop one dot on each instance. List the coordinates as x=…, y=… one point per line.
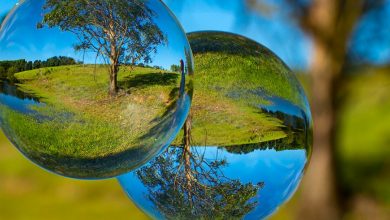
x=12, y=97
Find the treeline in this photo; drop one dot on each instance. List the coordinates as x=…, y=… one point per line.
x=148, y=66
x=293, y=141
x=175, y=68
x=9, y=68
x=292, y=122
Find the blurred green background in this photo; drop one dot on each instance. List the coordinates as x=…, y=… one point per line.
x=364, y=146
x=29, y=192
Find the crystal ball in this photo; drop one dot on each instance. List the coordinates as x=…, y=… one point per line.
x=93, y=89
x=245, y=146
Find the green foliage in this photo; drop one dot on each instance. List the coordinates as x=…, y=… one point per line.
x=3, y=72
x=175, y=68
x=120, y=30
x=294, y=140
x=364, y=134
x=9, y=68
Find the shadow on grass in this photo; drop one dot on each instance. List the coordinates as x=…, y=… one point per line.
x=150, y=79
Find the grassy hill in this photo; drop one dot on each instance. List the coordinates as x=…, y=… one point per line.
x=231, y=83
x=84, y=117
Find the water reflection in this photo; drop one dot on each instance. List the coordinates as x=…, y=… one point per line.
x=17, y=100
x=245, y=145
x=248, y=181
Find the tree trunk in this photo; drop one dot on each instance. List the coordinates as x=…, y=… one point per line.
x=330, y=24
x=320, y=196
x=114, y=56
x=187, y=153
x=113, y=79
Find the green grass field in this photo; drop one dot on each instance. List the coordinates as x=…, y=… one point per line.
x=86, y=122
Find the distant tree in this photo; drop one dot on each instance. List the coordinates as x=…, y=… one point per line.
x=37, y=64
x=175, y=68
x=44, y=64
x=20, y=65
x=66, y=61
x=121, y=31
x=158, y=67
x=53, y=61
x=29, y=65
x=3, y=72
x=12, y=70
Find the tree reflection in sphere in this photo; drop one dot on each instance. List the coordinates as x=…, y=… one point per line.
x=93, y=89
x=245, y=145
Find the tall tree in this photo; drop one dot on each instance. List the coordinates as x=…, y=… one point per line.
x=121, y=31
x=330, y=24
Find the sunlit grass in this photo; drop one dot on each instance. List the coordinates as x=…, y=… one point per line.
x=225, y=108
x=83, y=120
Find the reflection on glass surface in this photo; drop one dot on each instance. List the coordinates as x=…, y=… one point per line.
x=93, y=89
x=245, y=145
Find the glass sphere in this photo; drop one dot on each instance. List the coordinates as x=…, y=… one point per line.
x=93, y=89
x=245, y=145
